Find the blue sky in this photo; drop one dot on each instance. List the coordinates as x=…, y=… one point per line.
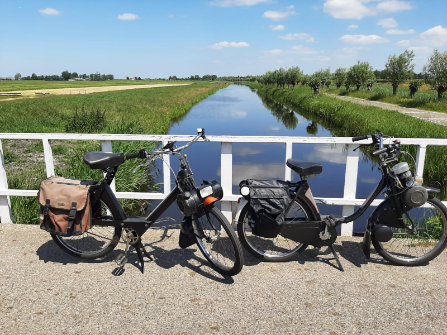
x=223, y=37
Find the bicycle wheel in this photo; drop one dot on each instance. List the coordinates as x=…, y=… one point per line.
x=97, y=242
x=277, y=249
x=427, y=242
x=220, y=245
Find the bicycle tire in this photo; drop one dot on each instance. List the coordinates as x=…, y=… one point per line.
x=429, y=241
x=277, y=249
x=222, y=249
x=97, y=242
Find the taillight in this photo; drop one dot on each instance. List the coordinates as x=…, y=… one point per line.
x=239, y=200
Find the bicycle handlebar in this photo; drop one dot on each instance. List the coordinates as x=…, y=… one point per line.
x=380, y=151
x=359, y=138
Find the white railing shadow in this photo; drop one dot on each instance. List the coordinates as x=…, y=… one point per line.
x=348, y=201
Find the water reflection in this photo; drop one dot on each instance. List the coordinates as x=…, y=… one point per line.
x=282, y=114
x=312, y=128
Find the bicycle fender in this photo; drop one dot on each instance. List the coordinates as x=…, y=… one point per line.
x=386, y=214
x=242, y=203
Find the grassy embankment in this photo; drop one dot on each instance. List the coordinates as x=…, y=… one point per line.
x=349, y=119
x=148, y=111
x=425, y=98
x=22, y=85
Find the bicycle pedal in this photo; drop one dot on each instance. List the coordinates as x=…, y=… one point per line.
x=121, y=260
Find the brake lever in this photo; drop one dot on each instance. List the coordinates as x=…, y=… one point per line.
x=362, y=145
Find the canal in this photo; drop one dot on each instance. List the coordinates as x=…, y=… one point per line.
x=238, y=110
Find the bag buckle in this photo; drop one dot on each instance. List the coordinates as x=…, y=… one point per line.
x=71, y=215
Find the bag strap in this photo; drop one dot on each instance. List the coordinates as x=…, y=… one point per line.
x=71, y=215
x=46, y=207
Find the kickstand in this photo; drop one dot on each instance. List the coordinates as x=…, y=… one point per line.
x=140, y=250
x=331, y=247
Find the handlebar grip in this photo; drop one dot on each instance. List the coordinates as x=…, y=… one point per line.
x=139, y=154
x=359, y=138
x=381, y=151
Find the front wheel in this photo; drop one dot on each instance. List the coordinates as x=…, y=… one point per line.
x=219, y=244
x=422, y=244
x=279, y=248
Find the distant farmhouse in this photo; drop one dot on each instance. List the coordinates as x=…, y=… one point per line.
x=6, y=78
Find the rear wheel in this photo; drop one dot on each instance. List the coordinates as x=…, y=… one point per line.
x=219, y=244
x=277, y=249
x=427, y=241
x=97, y=242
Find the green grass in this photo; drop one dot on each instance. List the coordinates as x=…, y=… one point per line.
x=345, y=118
x=22, y=85
x=425, y=98
x=143, y=111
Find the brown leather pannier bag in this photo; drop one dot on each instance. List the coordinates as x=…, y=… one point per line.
x=65, y=205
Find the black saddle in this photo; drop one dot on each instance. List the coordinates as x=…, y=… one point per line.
x=103, y=160
x=304, y=169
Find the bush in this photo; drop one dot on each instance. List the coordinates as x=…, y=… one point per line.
x=86, y=122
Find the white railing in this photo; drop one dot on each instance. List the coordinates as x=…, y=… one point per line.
x=348, y=201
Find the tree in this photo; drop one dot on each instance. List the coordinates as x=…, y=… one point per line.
x=324, y=75
x=280, y=77
x=414, y=86
x=305, y=79
x=294, y=77
x=17, y=76
x=127, y=78
x=340, y=76
x=66, y=75
x=74, y=75
x=399, y=68
x=315, y=83
x=435, y=72
x=360, y=74
x=139, y=78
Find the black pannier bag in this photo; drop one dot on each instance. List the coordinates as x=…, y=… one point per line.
x=269, y=200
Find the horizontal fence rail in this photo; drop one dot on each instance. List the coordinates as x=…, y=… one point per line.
x=349, y=200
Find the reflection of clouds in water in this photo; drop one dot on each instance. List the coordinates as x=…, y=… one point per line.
x=327, y=153
x=250, y=171
x=245, y=151
x=369, y=180
x=238, y=114
x=274, y=128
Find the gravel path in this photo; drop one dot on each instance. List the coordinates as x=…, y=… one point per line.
x=86, y=90
x=435, y=117
x=44, y=291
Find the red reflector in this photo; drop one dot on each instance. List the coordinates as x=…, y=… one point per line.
x=239, y=200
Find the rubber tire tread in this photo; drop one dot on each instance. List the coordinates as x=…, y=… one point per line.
x=239, y=263
x=264, y=258
x=418, y=261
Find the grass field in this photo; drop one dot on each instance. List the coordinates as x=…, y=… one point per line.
x=21, y=85
x=148, y=111
x=345, y=118
x=425, y=98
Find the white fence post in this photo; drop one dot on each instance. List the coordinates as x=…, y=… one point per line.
x=106, y=146
x=166, y=172
x=48, y=154
x=226, y=172
x=351, y=172
x=420, y=160
x=5, y=203
x=288, y=172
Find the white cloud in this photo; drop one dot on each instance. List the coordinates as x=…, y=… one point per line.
x=400, y=32
x=128, y=17
x=353, y=26
x=278, y=27
x=363, y=39
x=327, y=153
x=278, y=15
x=302, y=50
x=347, y=52
x=358, y=9
x=248, y=170
x=171, y=15
x=388, y=23
x=274, y=128
x=346, y=9
x=393, y=6
x=274, y=52
x=436, y=36
x=403, y=43
x=300, y=36
x=226, y=44
x=49, y=11
x=421, y=49
x=217, y=61
x=317, y=58
x=232, y=3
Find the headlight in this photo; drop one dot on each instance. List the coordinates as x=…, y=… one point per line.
x=206, y=192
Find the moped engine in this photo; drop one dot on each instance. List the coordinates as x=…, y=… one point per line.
x=415, y=195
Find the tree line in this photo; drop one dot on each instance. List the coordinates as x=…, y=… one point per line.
x=66, y=75
x=398, y=69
